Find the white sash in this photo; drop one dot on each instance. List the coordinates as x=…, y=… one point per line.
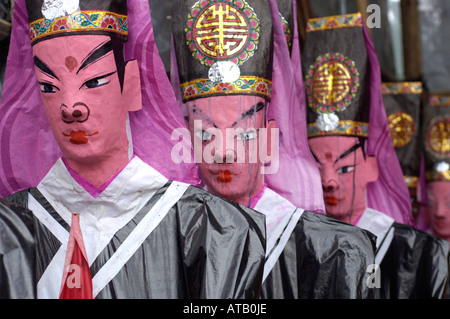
x=380, y=225
x=138, y=236
x=281, y=218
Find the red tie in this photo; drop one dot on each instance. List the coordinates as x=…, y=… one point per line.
x=77, y=280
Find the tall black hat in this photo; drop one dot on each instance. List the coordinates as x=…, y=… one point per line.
x=337, y=82
x=403, y=102
x=223, y=47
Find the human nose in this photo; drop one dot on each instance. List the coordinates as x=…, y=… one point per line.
x=329, y=180
x=441, y=210
x=223, y=153
x=79, y=112
x=227, y=156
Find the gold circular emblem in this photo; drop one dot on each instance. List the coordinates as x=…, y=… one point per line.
x=438, y=137
x=225, y=30
x=331, y=83
x=402, y=128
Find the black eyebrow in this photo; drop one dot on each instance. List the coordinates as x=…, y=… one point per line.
x=44, y=68
x=96, y=54
x=252, y=111
x=348, y=152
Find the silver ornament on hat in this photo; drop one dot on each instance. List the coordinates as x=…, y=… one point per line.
x=224, y=72
x=327, y=121
x=52, y=9
x=441, y=167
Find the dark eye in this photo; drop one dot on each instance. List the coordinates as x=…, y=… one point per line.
x=346, y=169
x=205, y=135
x=47, y=88
x=91, y=84
x=249, y=135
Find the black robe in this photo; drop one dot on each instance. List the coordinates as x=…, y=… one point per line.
x=416, y=266
x=324, y=258
x=202, y=247
x=17, y=252
x=312, y=256
x=410, y=263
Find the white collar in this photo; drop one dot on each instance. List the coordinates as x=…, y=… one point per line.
x=101, y=217
x=380, y=225
x=281, y=218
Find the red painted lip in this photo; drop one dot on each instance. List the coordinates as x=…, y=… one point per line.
x=78, y=137
x=223, y=176
x=440, y=224
x=332, y=201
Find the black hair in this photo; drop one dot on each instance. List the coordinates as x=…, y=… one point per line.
x=118, y=47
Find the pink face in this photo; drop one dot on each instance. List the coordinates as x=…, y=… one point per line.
x=82, y=97
x=229, y=138
x=438, y=208
x=345, y=175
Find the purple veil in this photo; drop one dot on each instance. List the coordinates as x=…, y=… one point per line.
x=389, y=194
x=298, y=177
x=28, y=149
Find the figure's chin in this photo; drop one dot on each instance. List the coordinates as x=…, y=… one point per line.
x=83, y=153
x=331, y=211
x=442, y=232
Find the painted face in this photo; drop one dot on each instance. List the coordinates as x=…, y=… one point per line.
x=438, y=208
x=227, y=128
x=82, y=96
x=345, y=175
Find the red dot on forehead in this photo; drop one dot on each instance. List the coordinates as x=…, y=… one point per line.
x=71, y=63
x=328, y=155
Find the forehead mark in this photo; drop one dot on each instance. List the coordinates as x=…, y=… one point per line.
x=328, y=155
x=71, y=63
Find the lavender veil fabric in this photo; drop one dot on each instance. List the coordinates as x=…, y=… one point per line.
x=389, y=194
x=298, y=177
x=28, y=148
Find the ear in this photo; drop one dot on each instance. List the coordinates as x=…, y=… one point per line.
x=371, y=169
x=132, y=86
x=270, y=125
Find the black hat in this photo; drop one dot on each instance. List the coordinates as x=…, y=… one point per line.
x=51, y=18
x=223, y=47
x=336, y=71
x=437, y=138
x=402, y=101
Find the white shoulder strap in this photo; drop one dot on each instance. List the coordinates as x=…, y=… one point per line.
x=150, y=221
x=380, y=225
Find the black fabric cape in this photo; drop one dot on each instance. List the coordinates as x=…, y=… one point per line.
x=324, y=258
x=415, y=266
x=205, y=247
x=17, y=252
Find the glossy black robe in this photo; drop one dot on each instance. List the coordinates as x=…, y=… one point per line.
x=416, y=266
x=17, y=252
x=324, y=258
x=205, y=247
